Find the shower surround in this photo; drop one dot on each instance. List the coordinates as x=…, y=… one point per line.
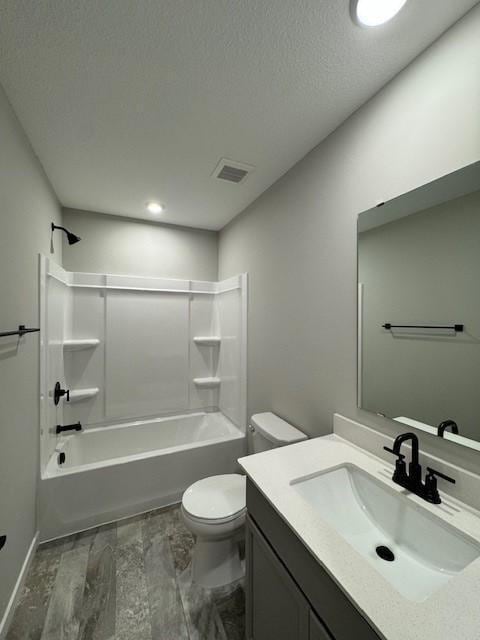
x=156, y=374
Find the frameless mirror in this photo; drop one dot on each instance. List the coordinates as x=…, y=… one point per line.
x=419, y=308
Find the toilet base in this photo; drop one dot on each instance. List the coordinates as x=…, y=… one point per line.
x=216, y=556
x=216, y=563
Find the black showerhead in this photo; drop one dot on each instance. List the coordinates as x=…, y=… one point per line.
x=71, y=237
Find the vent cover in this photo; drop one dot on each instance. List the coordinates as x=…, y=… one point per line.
x=232, y=171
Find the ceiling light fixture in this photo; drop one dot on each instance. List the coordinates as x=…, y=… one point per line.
x=155, y=207
x=372, y=13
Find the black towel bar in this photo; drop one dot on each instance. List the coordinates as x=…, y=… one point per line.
x=21, y=331
x=458, y=328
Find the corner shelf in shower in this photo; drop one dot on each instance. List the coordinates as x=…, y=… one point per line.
x=207, y=383
x=77, y=395
x=208, y=341
x=78, y=345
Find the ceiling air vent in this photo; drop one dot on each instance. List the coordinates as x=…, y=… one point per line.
x=232, y=171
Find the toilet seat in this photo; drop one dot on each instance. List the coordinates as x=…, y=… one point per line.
x=217, y=499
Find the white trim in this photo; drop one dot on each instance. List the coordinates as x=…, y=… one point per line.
x=240, y=283
x=9, y=611
x=244, y=353
x=74, y=285
x=120, y=288
x=359, y=343
x=230, y=284
x=83, y=280
x=42, y=401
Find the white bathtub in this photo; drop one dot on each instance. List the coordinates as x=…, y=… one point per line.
x=121, y=470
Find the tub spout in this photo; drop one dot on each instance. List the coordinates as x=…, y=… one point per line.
x=68, y=427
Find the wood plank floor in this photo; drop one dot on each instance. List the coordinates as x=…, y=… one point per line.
x=125, y=581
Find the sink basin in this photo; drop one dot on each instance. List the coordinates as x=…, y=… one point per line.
x=415, y=551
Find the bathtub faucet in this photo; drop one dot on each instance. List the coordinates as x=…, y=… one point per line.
x=68, y=427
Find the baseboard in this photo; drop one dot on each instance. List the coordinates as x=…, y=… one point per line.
x=8, y=615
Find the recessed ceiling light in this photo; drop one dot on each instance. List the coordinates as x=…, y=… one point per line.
x=371, y=13
x=155, y=207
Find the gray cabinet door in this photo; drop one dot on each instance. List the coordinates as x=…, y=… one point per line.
x=317, y=630
x=276, y=608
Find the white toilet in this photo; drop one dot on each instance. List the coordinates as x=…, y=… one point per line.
x=214, y=508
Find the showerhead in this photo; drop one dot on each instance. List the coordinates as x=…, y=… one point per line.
x=71, y=237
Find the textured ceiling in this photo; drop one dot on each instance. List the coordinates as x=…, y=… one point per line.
x=130, y=100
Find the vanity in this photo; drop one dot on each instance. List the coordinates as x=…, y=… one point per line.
x=337, y=551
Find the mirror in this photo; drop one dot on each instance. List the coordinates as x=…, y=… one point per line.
x=419, y=308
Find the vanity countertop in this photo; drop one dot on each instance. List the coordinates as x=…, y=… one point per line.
x=451, y=613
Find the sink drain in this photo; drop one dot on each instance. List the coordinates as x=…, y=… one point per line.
x=385, y=553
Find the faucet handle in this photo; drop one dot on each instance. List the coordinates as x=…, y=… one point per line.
x=432, y=473
x=400, y=473
x=399, y=455
x=431, y=491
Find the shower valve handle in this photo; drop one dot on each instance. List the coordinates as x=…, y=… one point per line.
x=58, y=393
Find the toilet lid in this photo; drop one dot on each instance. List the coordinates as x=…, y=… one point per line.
x=216, y=497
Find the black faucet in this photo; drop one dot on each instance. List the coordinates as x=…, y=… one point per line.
x=443, y=426
x=68, y=427
x=413, y=479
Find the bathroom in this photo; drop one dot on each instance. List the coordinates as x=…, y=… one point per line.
x=259, y=276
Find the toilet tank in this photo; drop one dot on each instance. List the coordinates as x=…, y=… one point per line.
x=268, y=431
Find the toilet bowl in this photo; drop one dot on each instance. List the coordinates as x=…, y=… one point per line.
x=214, y=509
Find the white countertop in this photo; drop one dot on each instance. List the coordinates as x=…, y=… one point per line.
x=451, y=613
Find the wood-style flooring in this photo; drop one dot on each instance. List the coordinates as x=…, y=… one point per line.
x=129, y=580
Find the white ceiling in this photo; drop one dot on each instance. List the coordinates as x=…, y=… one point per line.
x=131, y=100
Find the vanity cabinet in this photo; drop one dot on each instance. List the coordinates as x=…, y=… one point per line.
x=289, y=595
x=277, y=608
x=317, y=631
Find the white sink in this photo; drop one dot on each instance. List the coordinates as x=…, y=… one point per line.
x=368, y=514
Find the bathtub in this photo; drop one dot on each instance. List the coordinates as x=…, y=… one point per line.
x=122, y=470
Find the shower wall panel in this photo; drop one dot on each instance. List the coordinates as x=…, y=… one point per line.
x=146, y=353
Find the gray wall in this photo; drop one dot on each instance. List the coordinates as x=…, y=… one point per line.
x=423, y=269
x=27, y=206
x=124, y=246
x=298, y=240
